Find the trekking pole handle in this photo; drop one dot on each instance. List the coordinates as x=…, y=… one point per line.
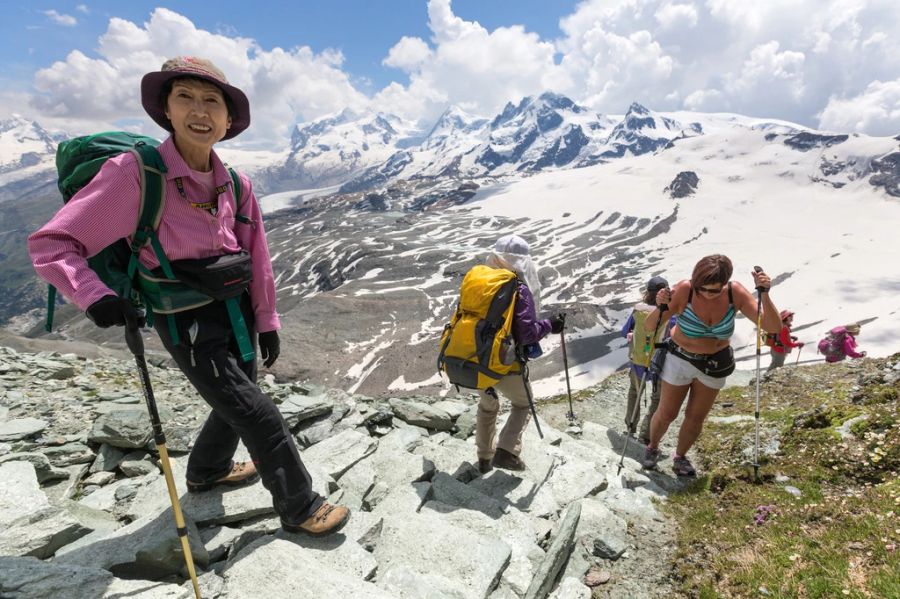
x=758, y=288
x=133, y=337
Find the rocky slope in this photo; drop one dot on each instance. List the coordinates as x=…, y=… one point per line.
x=86, y=513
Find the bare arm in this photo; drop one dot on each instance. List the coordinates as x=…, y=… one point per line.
x=746, y=303
x=676, y=300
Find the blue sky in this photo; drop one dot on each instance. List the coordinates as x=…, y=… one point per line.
x=362, y=30
x=827, y=64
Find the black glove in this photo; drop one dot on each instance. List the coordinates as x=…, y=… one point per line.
x=269, y=347
x=113, y=311
x=557, y=325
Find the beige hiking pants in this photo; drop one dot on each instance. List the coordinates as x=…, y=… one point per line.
x=513, y=388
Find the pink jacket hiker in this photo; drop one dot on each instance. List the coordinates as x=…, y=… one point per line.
x=107, y=209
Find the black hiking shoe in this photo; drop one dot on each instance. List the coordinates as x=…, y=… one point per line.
x=652, y=456
x=682, y=466
x=507, y=461
x=484, y=465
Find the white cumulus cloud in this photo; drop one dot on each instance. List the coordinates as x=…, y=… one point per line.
x=61, y=19
x=283, y=85
x=875, y=111
x=407, y=54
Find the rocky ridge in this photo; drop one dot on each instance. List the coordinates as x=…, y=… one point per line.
x=85, y=509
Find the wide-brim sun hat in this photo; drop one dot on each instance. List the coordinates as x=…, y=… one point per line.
x=785, y=314
x=200, y=68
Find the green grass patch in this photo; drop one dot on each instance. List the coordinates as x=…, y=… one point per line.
x=841, y=536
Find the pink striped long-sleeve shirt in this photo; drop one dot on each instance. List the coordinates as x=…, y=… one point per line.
x=108, y=207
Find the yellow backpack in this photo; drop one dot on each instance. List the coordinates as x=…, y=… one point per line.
x=477, y=347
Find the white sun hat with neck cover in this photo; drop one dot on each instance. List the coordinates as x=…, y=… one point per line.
x=512, y=253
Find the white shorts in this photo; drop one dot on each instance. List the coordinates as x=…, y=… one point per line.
x=679, y=372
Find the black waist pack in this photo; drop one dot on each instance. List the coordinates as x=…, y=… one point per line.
x=219, y=277
x=717, y=365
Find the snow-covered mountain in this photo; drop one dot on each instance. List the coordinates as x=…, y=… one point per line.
x=25, y=144
x=366, y=279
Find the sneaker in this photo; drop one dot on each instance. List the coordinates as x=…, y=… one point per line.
x=652, y=456
x=484, y=465
x=242, y=474
x=682, y=466
x=507, y=461
x=328, y=519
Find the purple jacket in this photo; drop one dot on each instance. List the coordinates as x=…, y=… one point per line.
x=527, y=328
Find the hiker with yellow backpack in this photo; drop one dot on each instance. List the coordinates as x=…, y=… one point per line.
x=640, y=349
x=495, y=330
x=199, y=261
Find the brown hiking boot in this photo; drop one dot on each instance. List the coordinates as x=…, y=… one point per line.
x=507, y=461
x=242, y=474
x=327, y=519
x=484, y=465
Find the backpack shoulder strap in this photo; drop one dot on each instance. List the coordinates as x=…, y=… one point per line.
x=151, y=169
x=730, y=295
x=238, y=192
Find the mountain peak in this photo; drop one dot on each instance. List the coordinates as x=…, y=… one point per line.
x=638, y=109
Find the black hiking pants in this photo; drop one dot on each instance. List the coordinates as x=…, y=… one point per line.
x=207, y=353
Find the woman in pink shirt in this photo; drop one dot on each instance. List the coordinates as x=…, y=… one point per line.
x=191, y=98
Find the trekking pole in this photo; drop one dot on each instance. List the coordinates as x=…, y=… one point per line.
x=799, y=349
x=530, y=398
x=759, y=292
x=562, y=336
x=136, y=345
x=637, y=402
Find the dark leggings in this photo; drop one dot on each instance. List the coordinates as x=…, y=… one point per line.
x=207, y=354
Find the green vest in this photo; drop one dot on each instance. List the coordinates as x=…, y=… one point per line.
x=641, y=349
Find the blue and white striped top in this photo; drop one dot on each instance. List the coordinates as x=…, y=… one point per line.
x=693, y=326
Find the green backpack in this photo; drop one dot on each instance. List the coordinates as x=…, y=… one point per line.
x=78, y=160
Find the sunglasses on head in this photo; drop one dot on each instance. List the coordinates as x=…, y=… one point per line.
x=710, y=290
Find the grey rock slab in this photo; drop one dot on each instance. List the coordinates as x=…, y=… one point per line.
x=571, y=588
x=108, y=458
x=452, y=407
x=42, y=467
x=337, y=551
x=448, y=490
x=297, y=408
x=420, y=543
x=339, y=453
x=41, y=533
x=465, y=424
x=137, y=463
x=630, y=504
x=149, y=547
x=599, y=523
x=557, y=554
x=4, y=414
x=516, y=529
x=405, y=583
x=315, y=432
x=218, y=541
x=272, y=567
x=516, y=491
x=446, y=456
x=68, y=454
x=35, y=579
x=107, y=498
x=100, y=478
x=20, y=494
x=388, y=467
x=421, y=414
x=575, y=479
x=404, y=500
x=21, y=428
x=128, y=428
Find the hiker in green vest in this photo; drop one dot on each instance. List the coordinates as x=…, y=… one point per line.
x=640, y=350
x=210, y=234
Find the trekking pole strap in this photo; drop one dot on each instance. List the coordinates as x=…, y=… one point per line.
x=245, y=347
x=51, y=304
